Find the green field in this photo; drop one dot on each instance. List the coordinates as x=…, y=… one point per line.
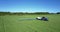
x=13, y=23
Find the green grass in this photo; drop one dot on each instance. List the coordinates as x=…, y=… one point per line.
x=12, y=23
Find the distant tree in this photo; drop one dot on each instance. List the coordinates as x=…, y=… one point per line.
x=4, y=13
x=58, y=12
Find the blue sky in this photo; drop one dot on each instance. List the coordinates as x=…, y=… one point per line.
x=30, y=6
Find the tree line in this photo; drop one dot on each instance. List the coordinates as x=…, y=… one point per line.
x=22, y=13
